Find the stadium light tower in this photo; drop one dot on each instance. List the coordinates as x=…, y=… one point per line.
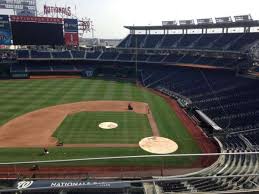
x=136, y=44
x=92, y=29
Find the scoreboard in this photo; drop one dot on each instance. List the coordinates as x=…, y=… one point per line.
x=31, y=30
x=39, y=30
x=37, y=33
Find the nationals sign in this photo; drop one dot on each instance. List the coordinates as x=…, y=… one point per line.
x=27, y=185
x=57, y=10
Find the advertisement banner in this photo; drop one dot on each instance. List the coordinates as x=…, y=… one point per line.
x=69, y=184
x=4, y=22
x=71, y=39
x=5, y=30
x=71, y=25
x=36, y=19
x=5, y=37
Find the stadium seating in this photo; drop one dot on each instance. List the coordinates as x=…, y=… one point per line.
x=78, y=54
x=173, y=186
x=125, y=57
x=123, y=43
x=169, y=40
x=61, y=55
x=152, y=41
x=56, y=54
x=136, y=41
x=224, y=40
x=40, y=55
x=187, y=40
x=205, y=41
x=156, y=58
x=109, y=56
x=244, y=40
x=188, y=59
x=173, y=58
x=93, y=55
x=231, y=101
x=253, y=137
x=226, y=165
x=227, y=41
x=206, y=61
x=23, y=54
x=147, y=57
x=141, y=57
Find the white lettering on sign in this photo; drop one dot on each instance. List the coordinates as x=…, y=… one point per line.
x=24, y=184
x=57, y=10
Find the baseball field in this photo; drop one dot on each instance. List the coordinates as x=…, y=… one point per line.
x=78, y=128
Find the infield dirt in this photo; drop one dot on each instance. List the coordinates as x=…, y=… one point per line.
x=35, y=129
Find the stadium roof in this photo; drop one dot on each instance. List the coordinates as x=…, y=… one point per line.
x=197, y=26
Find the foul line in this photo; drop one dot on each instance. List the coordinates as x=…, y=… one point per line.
x=128, y=157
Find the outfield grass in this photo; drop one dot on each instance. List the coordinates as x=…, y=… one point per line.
x=23, y=96
x=83, y=128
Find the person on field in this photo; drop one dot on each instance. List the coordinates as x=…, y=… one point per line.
x=46, y=151
x=130, y=107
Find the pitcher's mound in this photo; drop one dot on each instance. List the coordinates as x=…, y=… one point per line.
x=158, y=145
x=108, y=125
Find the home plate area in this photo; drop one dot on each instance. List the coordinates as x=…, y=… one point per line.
x=158, y=145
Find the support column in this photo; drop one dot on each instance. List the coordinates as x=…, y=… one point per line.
x=227, y=30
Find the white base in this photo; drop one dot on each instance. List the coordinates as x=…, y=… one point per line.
x=108, y=125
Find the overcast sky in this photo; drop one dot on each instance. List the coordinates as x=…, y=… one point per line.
x=109, y=16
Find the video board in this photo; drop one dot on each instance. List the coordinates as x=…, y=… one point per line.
x=5, y=30
x=71, y=32
x=32, y=33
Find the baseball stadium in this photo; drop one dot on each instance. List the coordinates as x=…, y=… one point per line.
x=172, y=108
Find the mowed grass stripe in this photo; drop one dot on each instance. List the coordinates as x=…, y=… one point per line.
x=83, y=128
x=109, y=91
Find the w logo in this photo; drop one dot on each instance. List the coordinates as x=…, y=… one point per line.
x=24, y=184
